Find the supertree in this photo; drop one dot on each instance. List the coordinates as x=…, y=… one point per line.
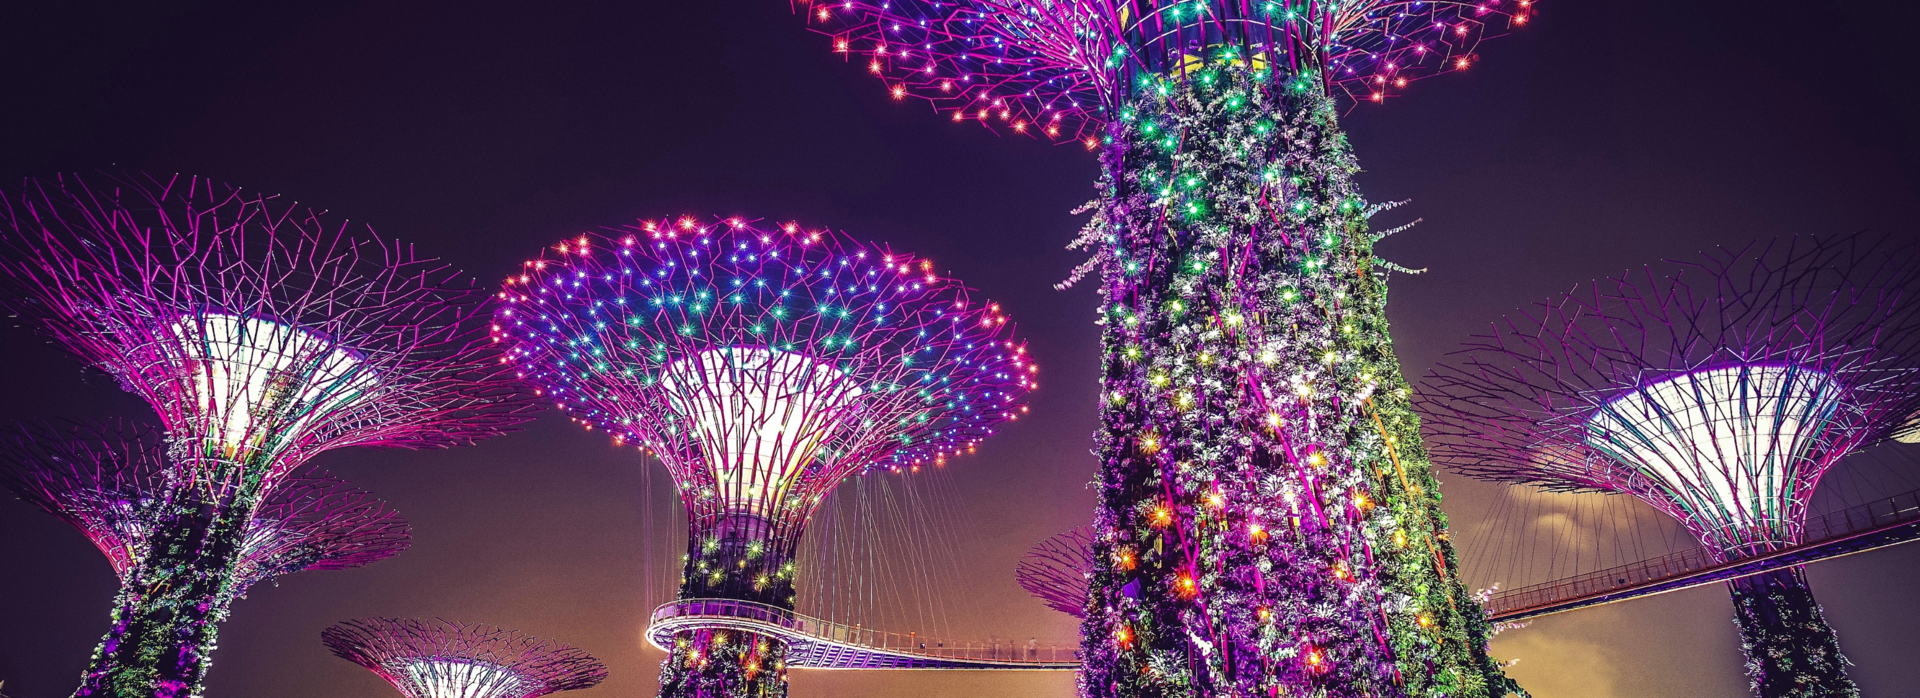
x=444, y=659
x=1717, y=390
x=262, y=334
x=109, y=483
x=1267, y=520
x=762, y=366
x=1056, y=571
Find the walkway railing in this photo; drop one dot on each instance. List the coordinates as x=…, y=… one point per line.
x=817, y=643
x=1874, y=525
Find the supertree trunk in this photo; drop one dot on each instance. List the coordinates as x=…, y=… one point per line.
x=724, y=664
x=166, y=616
x=1267, y=523
x=1791, y=651
x=742, y=559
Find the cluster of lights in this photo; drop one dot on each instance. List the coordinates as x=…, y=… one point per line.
x=762, y=365
x=1061, y=70
x=1254, y=479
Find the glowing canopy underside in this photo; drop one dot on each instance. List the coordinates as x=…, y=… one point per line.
x=761, y=417
x=258, y=384
x=461, y=678
x=1732, y=452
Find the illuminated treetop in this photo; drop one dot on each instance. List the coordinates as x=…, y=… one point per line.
x=444, y=659
x=1718, y=390
x=762, y=364
x=260, y=331
x=1063, y=67
x=110, y=483
x=1056, y=571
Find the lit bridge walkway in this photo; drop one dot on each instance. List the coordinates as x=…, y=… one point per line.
x=1866, y=527
x=813, y=643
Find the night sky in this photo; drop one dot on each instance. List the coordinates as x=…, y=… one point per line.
x=1606, y=134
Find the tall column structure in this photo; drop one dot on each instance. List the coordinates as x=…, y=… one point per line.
x=1267, y=524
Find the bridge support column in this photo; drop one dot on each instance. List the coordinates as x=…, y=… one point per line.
x=717, y=663
x=1791, y=651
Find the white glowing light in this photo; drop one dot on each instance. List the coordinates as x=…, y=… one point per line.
x=760, y=416
x=258, y=382
x=1909, y=433
x=1735, y=448
x=463, y=678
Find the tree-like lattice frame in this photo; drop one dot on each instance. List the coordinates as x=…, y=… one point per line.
x=446, y=659
x=1718, y=389
x=1056, y=571
x=1061, y=69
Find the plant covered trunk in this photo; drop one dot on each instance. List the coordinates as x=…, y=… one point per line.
x=1791, y=651
x=1268, y=525
x=724, y=664
x=167, y=614
x=742, y=558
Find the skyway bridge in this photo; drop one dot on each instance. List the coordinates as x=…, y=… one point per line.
x=1870, y=526
x=813, y=643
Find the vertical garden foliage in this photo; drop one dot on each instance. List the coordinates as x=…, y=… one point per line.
x=1791, y=651
x=166, y=617
x=1267, y=524
x=706, y=663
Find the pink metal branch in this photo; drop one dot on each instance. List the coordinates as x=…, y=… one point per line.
x=1057, y=571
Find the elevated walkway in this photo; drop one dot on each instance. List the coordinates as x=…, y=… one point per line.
x=813, y=643
x=1866, y=527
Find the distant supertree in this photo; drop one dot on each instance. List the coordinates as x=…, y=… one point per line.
x=112, y=483
x=762, y=366
x=1717, y=390
x=1056, y=571
x=1261, y=465
x=443, y=659
x=262, y=335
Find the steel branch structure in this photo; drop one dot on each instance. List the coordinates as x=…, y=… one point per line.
x=444, y=659
x=1056, y=571
x=262, y=334
x=1717, y=390
x=762, y=365
x=1063, y=69
x=111, y=484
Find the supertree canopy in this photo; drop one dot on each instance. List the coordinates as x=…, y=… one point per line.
x=1064, y=69
x=1056, y=571
x=110, y=483
x=444, y=659
x=262, y=334
x=1717, y=390
x=1267, y=521
x=762, y=366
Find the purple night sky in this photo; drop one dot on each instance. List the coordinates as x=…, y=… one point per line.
x=1602, y=136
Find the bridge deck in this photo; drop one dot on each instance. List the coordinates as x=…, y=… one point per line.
x=1866, y=527
x=813, y=643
